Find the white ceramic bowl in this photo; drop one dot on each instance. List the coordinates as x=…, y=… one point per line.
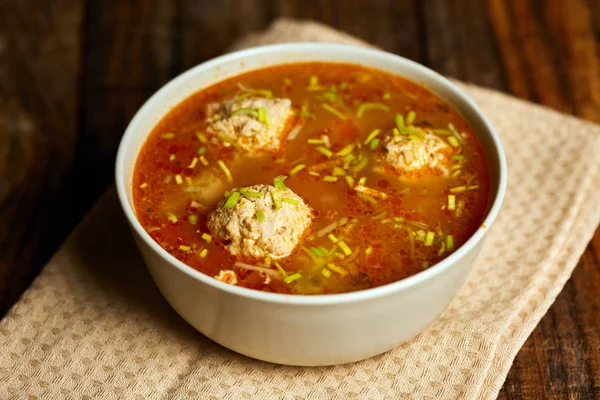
x=293, y=329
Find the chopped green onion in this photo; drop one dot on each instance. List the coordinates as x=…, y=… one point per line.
x=332, y=251
x=323, y=150
x=167, y=136
x=313, y=81
x=459, y=157
x=241, y=111
x=361, y=165
x=372, y=135
x=347, y=149
x=193, y=219
x=367, y=198
x=232, y=200
x=456, y=173
x=315, y=141
x=349, y=180
x=371, y=106
x=144, y=185
x=178, y=179
x=339, y=270
x=228, y=140
x=374, y=144
x=203, y=253
x=429, y=238
x=278, y=182
x=371, y=192
x=332, y=237
x=280, y=269
x=193, y=163
x=408, y=130
x=316, y=251
x=305, y=111
x=249, y=92
x=395, y=131
x=292, y=278
x=171, y=157
x=442, y=249
x=411, y=240
x=313, y=173
x=335, y=112
x=344, y=247
x=297, y=169
x=399, y=121
x=326, y=273
x=337, y=171
x=171, y=217
x=225, y=170
x=185, y=248
x=381, y=215
x=201, y=137
x=309, y=253
x=330, y=178
x=453, y=141
x=262, y=117
x=251, y=193
x=206, y=237
x=410, y=118
x=451, y=202
x=386, y=96
x=329, y=228
x=458, y=189
x=276, y=199
x=260, y=216
x=280, y=160
x=369, y=250
x=463, y=188
x=268, y=261
x=188, y=181
x=293, y=202
x=203, y=161
x=450, y=242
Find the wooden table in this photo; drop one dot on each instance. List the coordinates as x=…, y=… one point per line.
x=73, y=73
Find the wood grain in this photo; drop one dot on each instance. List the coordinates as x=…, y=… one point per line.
x=39, y=90
x=550, y=56
x=73, y=73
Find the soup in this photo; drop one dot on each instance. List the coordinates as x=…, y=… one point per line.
x=311, y=178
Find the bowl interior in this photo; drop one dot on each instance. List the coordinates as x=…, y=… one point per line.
x=239, y=62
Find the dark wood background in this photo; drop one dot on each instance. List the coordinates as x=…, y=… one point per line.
x=73, y=73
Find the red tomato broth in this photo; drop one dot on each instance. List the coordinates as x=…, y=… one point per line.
x=390, y=255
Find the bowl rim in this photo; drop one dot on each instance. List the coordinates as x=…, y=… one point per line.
x=325, y=299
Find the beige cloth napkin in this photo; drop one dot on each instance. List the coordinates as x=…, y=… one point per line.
x=93, y=325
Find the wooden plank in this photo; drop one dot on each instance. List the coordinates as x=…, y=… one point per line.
x=550, y=54
x=131, y=51
x=40, y=44
x=464, y=50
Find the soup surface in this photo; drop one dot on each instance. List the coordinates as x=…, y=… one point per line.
x=311, y=178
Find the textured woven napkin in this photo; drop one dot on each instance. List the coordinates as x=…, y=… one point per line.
x=93, y=325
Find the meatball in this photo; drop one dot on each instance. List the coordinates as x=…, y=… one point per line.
x=418, y=155
x=253, y=123
x=257, y=226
